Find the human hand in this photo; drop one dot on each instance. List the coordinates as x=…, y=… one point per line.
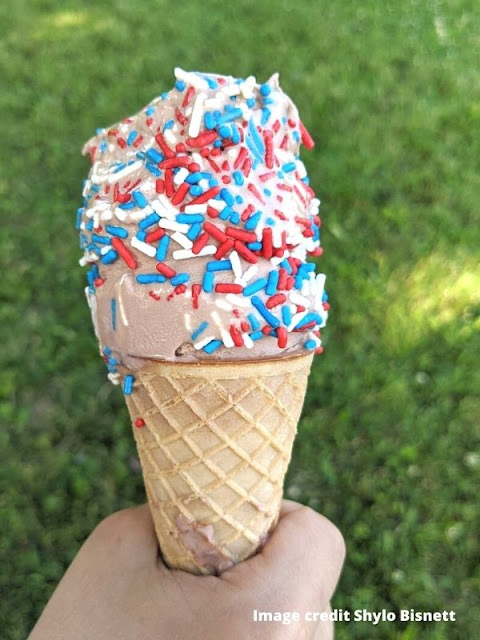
x=117, y=588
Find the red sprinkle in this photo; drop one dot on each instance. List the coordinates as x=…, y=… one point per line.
x=153, y=236
x=188, y=96
x=204, y=138
x=124, y=253
x=199, y=243
x=224, y=248
x=306, y=137
x=224, y=287
x=247, y=166
x=169, y=186
x=139, y=423
x=282, y=279
x=284, y=142
x=245, y=252
x=253, y=189
x=282, y=337
x=267, y=247
x=246, y=213
x=173, y=163
x=266, y=176
x=212, y=212
x=268, y=139
x=274, y=301
x=121, y=143
x=244, y=326
x=214, y=231
x=165, y=270
x=242, y=154
x=138, y=141
x=162, y=143
x=180, y=117
x=159, y=186
x=98, y=282
x=181, y=193
x=206, y=195
x=236, y=336
x=196, y=288
x=214, y=165
x=154, y=295
x=241, y=234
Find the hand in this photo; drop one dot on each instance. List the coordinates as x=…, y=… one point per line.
x=117, y=588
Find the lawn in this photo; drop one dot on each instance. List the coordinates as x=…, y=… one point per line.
x=389, y=443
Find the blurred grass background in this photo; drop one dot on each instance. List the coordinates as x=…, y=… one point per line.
x=388, y=446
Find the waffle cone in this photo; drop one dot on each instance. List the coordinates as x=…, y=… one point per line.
x=214, y=451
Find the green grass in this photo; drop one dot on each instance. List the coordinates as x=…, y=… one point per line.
x=388, y=446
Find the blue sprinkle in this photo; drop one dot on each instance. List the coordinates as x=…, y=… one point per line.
x=238, y=178
x=195, y=190
x=79, y=217
x=142, y=235
x=109, y=257
x=229, y=116
x=257, y=335
x=89, y=225
x=217, y=143
x=308, y=318
x=120, y=232
x=150, y=110
x=209, y=120
x=224, y=131
x=103, y=146
x=113, y=307
x=227, y=197
x=149, y=220
x=296, y=135
x=324, y=297
x=252, y=222
x=213, y=84
x=140, y=199
x=194, y=231
x=213, y=183
x=272, y=283
x=255, y=286
x=128, y=384
x=286, y=314
x=180, y=278
x=256, y=137
x=193, y=178
x=212, y=346
x=200, y=329
x=266, y=113
x=267, y=192
x=207, y=284
x=118, y=167
x=127, y=205
x=107, y=351
x=235, y=218
x=226, y=213
x=168, y=125
x=236, y=137
x=298, y=281
x=140, y=155
x=154, y=155
x=289, y=166
x=270, y=221
x=254, y=246
x=90, y=277
x=286, y=265
x=101, y=239
x=219, y=265
x=150, y=278
x=265, y=90
x=180, y=85
x=254, y=323
x=131, y=137
x=310, y=344
x=153, y=169
x=162, y=248
x=265, y=313
x=251, y=102
x=268, y=100
x=189, y=218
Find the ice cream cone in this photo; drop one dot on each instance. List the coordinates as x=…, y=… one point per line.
x=215, y=441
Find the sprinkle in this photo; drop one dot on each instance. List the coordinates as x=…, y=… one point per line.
x=214, y=231
x=167, y=151
x=173, y=225
x=289, y=166
x=254, y=323
x=306, y=137
x=240, y=234
x=224, y=248
x=113, y=308
x=253, y=220
x=149, y=278
x=162, y=248
x=224, y=287
x=149, y=221
x=199, y=330
x=247, y=340
x=219, y=265
x=310, y=344
x=180, y=193
x=180, y=278
x=182, y=254
x=263, y=311
x=282, y=337
x=236, y=336
x=275, y=300
x=267, y=246
x=251, y=187
x=286, y=315
x=202, y=140
x=101, y=239
x=196, y=288
x=120, y=232
x=128, y=384
x=207, y=284
x=165, y=270
x=145, y=248
x=182, y=240
x=200, y=243
x=272, y=283
x=190, y=218
x=124, y=253
x=256, y=335
x=153, y=236
x=244, y=252
x=139, y=423
x=202, y=343
x=255, y=286
x=212, y=346
x=236, y=264
x=256, y=137
x=140, y=199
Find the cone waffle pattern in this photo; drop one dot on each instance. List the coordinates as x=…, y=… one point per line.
x=214, y=451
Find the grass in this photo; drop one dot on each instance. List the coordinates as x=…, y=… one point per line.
x=388, y=445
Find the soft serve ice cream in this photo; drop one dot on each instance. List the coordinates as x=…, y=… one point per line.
x=196, y=226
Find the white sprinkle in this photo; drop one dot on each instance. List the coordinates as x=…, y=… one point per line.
x=221, y=304
x=276, y=260
x=188, y=321
x=170, y=137
x=231, y=89
x=114, y=378
x=196, y=157
x=165, y=223
x=238, y=300
x=202, y=343
x=96, y=220
x=120, y=301
x=247, y=340
x=306, y=289
x=180, y=176
x=183, y=254
x=191, y=78
x=296, y=319
x=302, y=172
x=197, y=113
x=147, y=249
x=246, y=87
x=216, y=204
x=276, y=237
x=135, y=216
x=236, y=264
x=106, y=215
x=126, y=171
x=105, y=249
x=121, y=214
x=227, y=338
x=163, y=207
x=212, y=103
x=296, y=298
x=196, y=208
x=182, y=239
x=250, y=272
